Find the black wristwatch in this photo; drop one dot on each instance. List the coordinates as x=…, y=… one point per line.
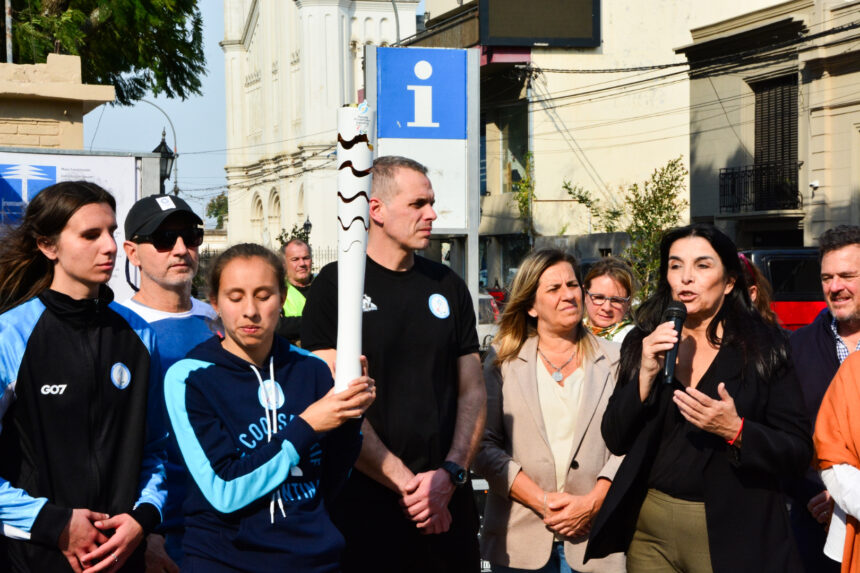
x=458, y=474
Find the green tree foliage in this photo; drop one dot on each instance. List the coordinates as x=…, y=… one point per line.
x=524, y=193
x=297, y=232
x=135, y=45
x=216, y=209
x=648, y=211
x=608, y=219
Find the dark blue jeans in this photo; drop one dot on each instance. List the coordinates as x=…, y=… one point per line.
x=556, y=564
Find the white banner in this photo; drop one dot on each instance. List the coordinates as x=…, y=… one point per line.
x=23, y=175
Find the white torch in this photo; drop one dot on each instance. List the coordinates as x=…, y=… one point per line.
x=354, y=160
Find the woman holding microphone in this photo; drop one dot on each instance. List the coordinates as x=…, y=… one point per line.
x=699, y=488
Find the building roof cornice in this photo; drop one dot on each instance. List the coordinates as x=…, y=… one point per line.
x=751, y=20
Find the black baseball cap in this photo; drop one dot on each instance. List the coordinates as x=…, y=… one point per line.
x=149, y=213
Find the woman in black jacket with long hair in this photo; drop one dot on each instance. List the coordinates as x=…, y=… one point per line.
x=705, y=451
x=81, y=431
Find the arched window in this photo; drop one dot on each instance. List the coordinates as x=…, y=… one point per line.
x=300, y=204
x=368, y=30
x=257, y=218
x=386, y=32
x=274, y=220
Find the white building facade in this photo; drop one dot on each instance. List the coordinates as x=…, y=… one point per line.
x=777, y=158
x=599, y=118
x=290, y=64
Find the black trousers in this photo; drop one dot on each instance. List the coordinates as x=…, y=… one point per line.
x=810, y=537
x=381, y=539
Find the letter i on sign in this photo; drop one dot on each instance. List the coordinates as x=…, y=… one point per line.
x=423, y=97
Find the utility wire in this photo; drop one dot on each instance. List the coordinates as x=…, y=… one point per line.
x=713, y=66
x=728, y=119
x=603, y=93
x=708, y=61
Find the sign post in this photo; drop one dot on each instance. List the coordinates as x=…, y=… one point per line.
x=428, y=107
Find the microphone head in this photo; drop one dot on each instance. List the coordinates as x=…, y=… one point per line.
x=675, y=310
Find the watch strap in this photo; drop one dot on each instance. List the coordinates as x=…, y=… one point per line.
x=458, y=474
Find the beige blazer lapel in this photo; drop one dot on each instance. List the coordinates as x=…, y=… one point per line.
x=594, y=385
x=523, y=371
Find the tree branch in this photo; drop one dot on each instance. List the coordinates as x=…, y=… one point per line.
x=53, y=8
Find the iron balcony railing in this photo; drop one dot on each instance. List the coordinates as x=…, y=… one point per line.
x=760, y=187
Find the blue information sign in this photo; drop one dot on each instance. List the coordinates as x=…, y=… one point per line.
x=421, y=93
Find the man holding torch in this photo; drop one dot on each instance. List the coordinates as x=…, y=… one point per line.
x=409, y=505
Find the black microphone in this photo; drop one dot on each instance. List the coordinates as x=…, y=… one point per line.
x=677, y=313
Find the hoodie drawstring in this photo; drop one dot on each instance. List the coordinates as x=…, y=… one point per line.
x=271, y=406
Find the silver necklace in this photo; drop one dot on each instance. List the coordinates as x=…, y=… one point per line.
x=557, y=375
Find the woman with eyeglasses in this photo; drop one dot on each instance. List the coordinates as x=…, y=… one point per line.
x=548, y=381
x=81, y=448
x=609, y=286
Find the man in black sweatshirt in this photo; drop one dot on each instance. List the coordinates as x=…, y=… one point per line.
x=409, y=505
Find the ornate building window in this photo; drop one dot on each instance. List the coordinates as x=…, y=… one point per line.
x=257, y=218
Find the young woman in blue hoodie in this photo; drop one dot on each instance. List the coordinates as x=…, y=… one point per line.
x=266, y=440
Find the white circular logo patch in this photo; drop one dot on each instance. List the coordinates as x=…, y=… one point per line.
x=271, y=395
x=439, y=306
x=120, y=375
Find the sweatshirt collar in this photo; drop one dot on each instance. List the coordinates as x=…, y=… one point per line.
x=79, y=311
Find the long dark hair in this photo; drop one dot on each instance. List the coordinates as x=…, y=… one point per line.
x=24, y=270
x=742, y=325
x=764, y=292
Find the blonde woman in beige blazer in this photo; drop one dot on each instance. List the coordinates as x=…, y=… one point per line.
x=548, y=382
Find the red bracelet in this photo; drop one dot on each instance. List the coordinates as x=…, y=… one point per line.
x=738, y=435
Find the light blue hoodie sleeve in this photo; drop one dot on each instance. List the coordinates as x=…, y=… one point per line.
x=18, y=510
x=239, y=480
x=153, y=479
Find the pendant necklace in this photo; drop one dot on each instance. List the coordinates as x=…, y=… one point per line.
x=557, y=375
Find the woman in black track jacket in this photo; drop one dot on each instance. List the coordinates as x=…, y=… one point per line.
x=81, y=458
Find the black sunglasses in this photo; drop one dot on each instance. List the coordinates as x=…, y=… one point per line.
x=165, y=239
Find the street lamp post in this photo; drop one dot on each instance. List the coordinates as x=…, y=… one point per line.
x=165, y=162
x=306, y=227
x=175, y=146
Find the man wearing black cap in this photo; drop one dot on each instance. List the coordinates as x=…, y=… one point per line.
x=162, y=237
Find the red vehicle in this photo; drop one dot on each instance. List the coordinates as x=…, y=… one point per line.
x=795, y=275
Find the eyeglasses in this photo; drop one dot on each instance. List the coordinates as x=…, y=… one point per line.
x=165, y=239
x=614, y=301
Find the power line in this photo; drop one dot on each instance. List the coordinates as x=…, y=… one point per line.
x=708, y=61
x=639, y=83
x=713, y=66
x=251, y=181
x=737, y=136
x=577, y=150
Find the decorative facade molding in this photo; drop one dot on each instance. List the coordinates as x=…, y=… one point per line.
x=282, y=123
